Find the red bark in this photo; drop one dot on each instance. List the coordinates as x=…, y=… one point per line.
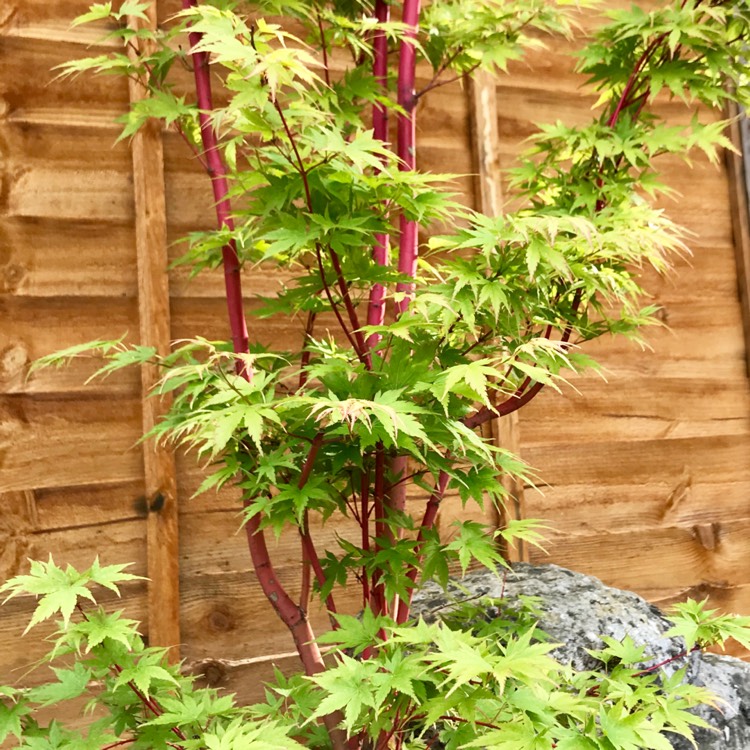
x=376, y=304
x=218, y=173
x=293, y=616
x=406, y=146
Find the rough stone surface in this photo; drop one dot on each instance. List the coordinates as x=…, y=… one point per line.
x=578, y=608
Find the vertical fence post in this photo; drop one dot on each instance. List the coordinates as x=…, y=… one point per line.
x=485, y=139
x=739, y=184
x=153, y=309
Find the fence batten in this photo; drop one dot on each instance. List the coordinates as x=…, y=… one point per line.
x=155, y=330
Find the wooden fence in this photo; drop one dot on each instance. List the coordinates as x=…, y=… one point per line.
x=644, y=478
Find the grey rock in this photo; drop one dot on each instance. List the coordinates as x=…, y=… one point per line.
x=577, y=609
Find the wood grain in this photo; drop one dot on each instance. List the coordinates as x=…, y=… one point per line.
x=644, y=479
x=738, y=203
x=489, y=190
x=155, y=331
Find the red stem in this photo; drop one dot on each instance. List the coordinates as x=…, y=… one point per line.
x=406, y=145
x=218, y=174
x=428, y=522
x=396, y=495
x=312, y=556
x=304, y=589
x=308, y=546
x=663, y=663
x=324, y=49
x=291, y=615
x=376, y=304
x=334, y=306
x=378, y=602
x=361, y=348
x=119, y=743
x=632, y=80
x=150, y=703
x=521, y=396
x=305, y=359
x=364, y=522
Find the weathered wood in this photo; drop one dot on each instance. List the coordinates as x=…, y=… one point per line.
x=720, y=458
x=633, y=408
x=647, y=477
x=687, y=500
x=684, y=557
x=490, y=199
x=155, y=331
x=738, y=202
x=51, y=442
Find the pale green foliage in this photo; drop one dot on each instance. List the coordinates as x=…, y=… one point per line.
x=501, y=307
x=497, y=685
x=700, y=626
x=483, y=676
x=113, y=669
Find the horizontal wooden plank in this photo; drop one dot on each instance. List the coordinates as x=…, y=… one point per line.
x=50, y=508
x=666, y=558
x=709, y=268
x=686, y=501
x=102, y=196
x=29, y=81
x=705, y=350
x=246, y=677
x=52, y=442
x=47, y=258
x=47, y=138
x=41, y=326
x=637, y=409
x=718, y=459
x=22, y=14
x=228, y=615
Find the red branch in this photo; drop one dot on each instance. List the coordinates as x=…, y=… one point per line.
x=351, y=311
x=406, y=145
x=305, y=359
x=376, y=305
x=364, y=522
x=291, y=615
x=310, y=556
x=659, y=665
x=218, y=174
x=377, y=597
x=428, y=522
x=334, y=306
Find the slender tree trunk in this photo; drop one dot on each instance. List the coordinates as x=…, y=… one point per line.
x=376, y=305
x=294, y=617
x=406, y=145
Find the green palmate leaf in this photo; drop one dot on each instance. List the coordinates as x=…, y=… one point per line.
x=99, y=627
x=13, y=708
x=97, y=12
x=71, y=684
x=348, y=688
x=700, y=626
x=147, y=675
x=239, y=733
x=59, y=590
x=356, y=633
x=472, y=542
x=365, y=406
